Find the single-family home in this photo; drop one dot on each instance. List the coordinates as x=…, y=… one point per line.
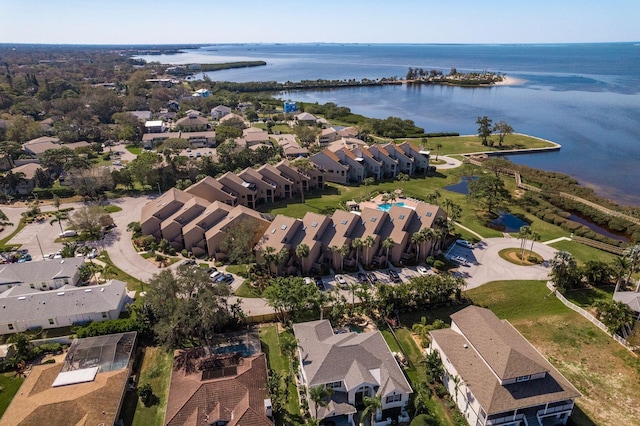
x=154, y=126
x=192, y=123
x=335, y=170
x=87, y=388
x=25, y=308
x=201, y=93
x=231, y=116
x=629, y=298
x=28, y=181
x=219, y=112
x=217, y=386
x=306, y=119
x=41, y=275
x=141, y=115
x=354, y=366
x=496, y=377
x=37, y=147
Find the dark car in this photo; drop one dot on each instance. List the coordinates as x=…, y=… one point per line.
x=319, y=283
x=188, y=262
x=372, y=277
x=394, y=276
x=362, y=278
x=211, y=270
x=228, y=278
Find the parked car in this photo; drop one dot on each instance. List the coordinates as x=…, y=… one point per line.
x=341, y=281
x=422, y=270
x=228, y=278
x=464, y=243
x=372, y=277
x=215, y=275
x=461, y=260
x=394, y=276
x=211, y=270
x=92, y=254
x=362, y=278
x=68, y=233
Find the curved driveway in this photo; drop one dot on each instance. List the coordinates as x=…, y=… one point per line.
x=451, y=163
x=486, y=265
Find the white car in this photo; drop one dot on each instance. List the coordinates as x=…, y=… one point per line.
x=464, y=243
x=341, y=281
x=422, y=270
x=461, y=260
x=68, y=233
x=215, y=275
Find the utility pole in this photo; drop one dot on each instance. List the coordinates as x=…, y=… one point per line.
x=41, y=252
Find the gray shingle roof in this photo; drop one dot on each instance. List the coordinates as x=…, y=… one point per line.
x=35, y=272
x=68, y=299
x=355, y=358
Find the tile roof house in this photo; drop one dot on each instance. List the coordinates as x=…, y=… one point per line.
x=238, y=397
x=41, y=275
x=26, y=185
x=100, y=366
x=25, y=308
x=354, y=365
x=503, y=379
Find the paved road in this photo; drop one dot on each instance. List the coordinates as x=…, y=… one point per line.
x=451, y=163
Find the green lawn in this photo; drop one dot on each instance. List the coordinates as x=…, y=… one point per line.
x=586, y=297
x=156, y=370
x=134, y=150
x=112, y=208
x=246, y=290
x=118, y=274
x=415, y=372
x=602, y=370
x=9, y=384
x=583, y=253
x=466, y=144
x=278, y=362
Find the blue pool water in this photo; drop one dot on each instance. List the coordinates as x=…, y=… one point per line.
x=242, y=348
x=386, y=206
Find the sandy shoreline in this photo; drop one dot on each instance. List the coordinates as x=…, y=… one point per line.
x=510, y=81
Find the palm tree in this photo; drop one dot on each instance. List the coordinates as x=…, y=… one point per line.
x=438, y=146
x=562, y=266
x=320, y=395
x=633, y=256
x=429, y=236
x=269, y=255
x=456, y=384
x=371, y=406
x=620, y=266
x=58, y=217
x=388, y=244
x=344, y=251
x=356, y=243
x=422, y=330
x=522, y=235
x=402, y=178
x=281, y=257
x=533, y=237
x=368, y=243
x=302, y=166
x=448, y=203
x=368, y=181
x=418, y=238
x=422, y=399
x=302, y=251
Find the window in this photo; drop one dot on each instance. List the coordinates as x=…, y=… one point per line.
x=393, y=398
x=51, y=321
x=10, y=326
x=104, y=315
x=334, y=385
x=66, y=281
x=32, y=285
x=522, y=379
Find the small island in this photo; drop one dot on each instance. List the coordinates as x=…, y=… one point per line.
x=455, y=78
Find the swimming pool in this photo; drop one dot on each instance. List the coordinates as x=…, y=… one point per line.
x=386, y=206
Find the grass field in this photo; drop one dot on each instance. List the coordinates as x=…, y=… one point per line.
x=278, y=362
x=134, y=150
x=467, y=144
x=156, y=370
x=583, y=253
x=607, y=375
x=9, y=385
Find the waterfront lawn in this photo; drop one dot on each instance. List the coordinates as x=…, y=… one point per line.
x=10, y=384
x=583, y=253
x=471, y=143
x=270, y=341
x=604, y=372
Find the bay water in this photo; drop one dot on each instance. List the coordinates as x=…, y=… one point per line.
x=584, y=96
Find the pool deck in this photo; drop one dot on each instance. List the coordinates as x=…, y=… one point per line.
x=374, y=203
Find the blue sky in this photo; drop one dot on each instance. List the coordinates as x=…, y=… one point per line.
x=347, y=21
